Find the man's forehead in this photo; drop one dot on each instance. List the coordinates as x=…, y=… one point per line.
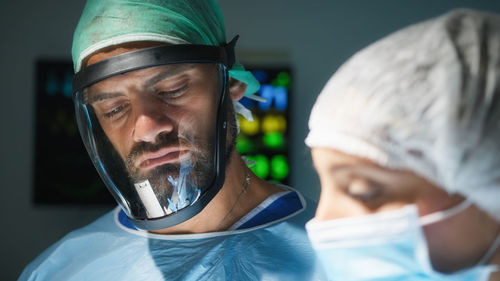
x=115, y=50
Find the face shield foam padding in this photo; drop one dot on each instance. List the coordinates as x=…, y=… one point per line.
x=154, y=124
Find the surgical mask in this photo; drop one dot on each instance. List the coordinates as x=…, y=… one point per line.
x=386, y=246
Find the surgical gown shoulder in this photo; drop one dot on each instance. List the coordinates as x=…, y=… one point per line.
x=105, y=251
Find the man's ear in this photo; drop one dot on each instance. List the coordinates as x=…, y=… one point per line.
x=236, y=89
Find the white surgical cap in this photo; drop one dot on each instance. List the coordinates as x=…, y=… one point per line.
x=425, y=99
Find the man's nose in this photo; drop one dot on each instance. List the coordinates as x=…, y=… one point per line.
x=151, y=120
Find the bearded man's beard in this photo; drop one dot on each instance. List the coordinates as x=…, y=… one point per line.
x=197, y=172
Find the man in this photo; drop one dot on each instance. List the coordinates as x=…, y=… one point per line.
x=406, y=141
x=154, y=90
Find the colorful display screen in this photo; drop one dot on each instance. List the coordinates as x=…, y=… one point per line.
x=64, y=174
x=264, y=141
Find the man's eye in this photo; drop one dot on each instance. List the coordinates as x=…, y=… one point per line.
x=114, y=113
x=175, y=93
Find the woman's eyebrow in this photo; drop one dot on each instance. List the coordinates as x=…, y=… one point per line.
x=365, y=169
x=349, y=166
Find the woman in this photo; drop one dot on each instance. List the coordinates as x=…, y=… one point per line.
x=405, y=138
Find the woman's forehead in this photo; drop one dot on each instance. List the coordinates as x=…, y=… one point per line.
x=335, y=157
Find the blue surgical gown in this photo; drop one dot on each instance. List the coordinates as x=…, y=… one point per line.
x=111, y=249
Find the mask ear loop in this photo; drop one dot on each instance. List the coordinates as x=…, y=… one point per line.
x=442, y=215
x=491, y=251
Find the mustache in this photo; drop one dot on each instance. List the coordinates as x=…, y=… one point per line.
x=162, y=141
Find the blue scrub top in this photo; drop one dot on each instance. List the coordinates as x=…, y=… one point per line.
x=269, y=243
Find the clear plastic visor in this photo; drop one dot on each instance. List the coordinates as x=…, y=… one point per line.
x=152, y=135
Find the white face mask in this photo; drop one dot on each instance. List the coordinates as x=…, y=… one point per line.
x=386, y=246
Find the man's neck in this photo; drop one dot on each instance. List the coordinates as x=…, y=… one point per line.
x=230, y=204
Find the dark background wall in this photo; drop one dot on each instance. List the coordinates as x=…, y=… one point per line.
x=314, y=36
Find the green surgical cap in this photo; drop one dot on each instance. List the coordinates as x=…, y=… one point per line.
x=106, y=23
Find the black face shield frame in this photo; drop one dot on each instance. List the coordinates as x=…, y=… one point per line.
x=141, y=59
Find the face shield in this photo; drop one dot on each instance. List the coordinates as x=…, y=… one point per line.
x=154, y=123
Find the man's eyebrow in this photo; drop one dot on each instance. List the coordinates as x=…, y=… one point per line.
x=169, y=71
x=90, y=98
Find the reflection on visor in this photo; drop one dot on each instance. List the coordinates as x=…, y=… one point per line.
x=183, y=192
x=183, y=195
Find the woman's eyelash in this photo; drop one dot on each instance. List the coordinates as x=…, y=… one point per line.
x=363, y=189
